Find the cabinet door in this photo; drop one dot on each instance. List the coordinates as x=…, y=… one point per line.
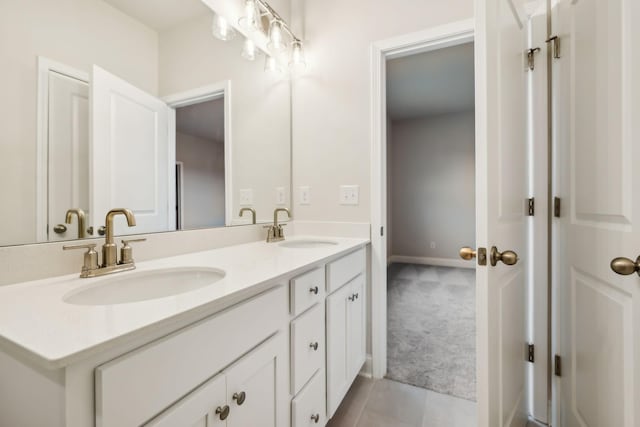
x=356, y=337
x=197, y=409
x=338, y=375
x=257, y=389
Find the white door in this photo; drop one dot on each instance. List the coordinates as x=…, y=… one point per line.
x=198, y=408
x=356, y=342
x=596, y=126
x=133, y=161
x=68, y=152
x=501, y=189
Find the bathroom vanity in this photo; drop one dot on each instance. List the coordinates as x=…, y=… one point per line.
x=275, y=339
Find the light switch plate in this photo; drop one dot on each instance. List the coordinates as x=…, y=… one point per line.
x=349, y=194
x=305, y=195
x=246, y=197
x=280, y=196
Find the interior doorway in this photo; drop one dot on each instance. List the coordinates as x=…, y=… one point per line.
x=430, y=147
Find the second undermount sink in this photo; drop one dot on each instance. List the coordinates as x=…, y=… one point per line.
x=307, y=243
x=144, y=285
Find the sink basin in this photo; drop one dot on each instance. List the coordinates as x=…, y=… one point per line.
x=307, y=244
x=144, y=285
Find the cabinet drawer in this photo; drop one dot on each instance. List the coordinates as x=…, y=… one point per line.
x=307, y=346
x=307, y=290
x=341, y=271
x=309, y=404
x=138, y=385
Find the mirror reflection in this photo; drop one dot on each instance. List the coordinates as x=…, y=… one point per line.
x=134, y=104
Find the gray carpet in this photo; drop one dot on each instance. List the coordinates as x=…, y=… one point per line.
x=431, y=329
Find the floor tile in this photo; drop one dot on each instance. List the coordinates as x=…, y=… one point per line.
x=442, y=410
x=401, y=402
x=353, y=404
x=374, y=419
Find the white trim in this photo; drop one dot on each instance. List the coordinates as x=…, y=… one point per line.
x=438, y=262
x=45, y=66
x=366, y=370
x=209, y=93
x=180, y=200
x=434, y=38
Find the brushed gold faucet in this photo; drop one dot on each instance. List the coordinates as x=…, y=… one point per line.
x=81, y=220
x=253, y=214
x=275, y=232
x=110, y=264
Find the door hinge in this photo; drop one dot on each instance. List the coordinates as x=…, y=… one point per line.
x=555, y=46
x=531, y=353
x=557, y=366
x=531, y=206
x=531, y=57
x=556, y=207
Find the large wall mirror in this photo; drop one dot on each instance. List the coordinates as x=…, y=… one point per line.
x=133, y=103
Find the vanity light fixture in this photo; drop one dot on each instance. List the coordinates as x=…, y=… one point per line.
x=281, y=46
x=221, y=29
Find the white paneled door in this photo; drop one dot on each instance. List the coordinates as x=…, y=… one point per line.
x=596, y=129
x=133, y=159
x=501, y=188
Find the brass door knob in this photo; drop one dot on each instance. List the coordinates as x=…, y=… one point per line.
x=625, y=266
x=507, y=257
x=467, y=253
x=223, y=412
x=60, y=228
x=240, y=397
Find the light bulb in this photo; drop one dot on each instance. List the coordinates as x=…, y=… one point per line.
x=271, y=65
x=221, y=29
x=298, y=61
x=249, y=50
x=276, y=42
x=251, y=21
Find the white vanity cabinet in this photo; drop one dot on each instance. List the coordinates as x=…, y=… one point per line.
x=346, y=326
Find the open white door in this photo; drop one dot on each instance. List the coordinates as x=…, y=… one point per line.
x=596, y=125
x=132, y=159
x=501, y=190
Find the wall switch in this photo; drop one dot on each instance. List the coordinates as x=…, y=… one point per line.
x=433, y=245
x=246, y=197
x=305, y=195
x=280, y=196
x=349, y=194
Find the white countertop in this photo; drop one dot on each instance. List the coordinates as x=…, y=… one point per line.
x=35, y=319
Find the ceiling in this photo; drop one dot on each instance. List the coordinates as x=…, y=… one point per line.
x=161, y=15
x=204, y=120
x=431, y=83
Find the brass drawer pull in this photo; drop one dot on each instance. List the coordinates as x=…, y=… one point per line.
x=223, y=412
x=240, y=397
x=314, y=290
x=314, y=346
x=315, y=418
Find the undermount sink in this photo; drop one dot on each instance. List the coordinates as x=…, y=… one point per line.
x=144, y=285
x=307, y=244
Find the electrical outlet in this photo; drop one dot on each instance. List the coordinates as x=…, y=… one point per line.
x=349, y=194
x=246, y=197
x=433, y=245
x=280, y=196
x=305, y=195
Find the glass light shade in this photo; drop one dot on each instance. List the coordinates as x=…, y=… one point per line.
x=221, y=29
x=271, y=65
x=249, y=50
x=251, y=21
x=298, y=61
x=276, y=42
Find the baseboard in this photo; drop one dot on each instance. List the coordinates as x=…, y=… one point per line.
x=440, y=262
x=367, y=368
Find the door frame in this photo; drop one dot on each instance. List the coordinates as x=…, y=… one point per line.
x=45, y=67
x=203, y=94
x=440, y=37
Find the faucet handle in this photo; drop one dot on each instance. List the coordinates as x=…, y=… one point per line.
x=90, y=257
x=126, y=253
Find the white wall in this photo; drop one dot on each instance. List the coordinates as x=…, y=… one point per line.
x=260, y=107
x=203, y=181
x=331, y=102
x=433, y=186
x=78, y=33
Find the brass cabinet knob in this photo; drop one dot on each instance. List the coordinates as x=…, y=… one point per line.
x=102, y=230
x=314, y=346
x=351, y=298
x=223, y=412
x=60, y=228
x=625, y=266
x=467, y=253
x=507, y=257
x=240, y=397
x=314, y=290
x=315, y=418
